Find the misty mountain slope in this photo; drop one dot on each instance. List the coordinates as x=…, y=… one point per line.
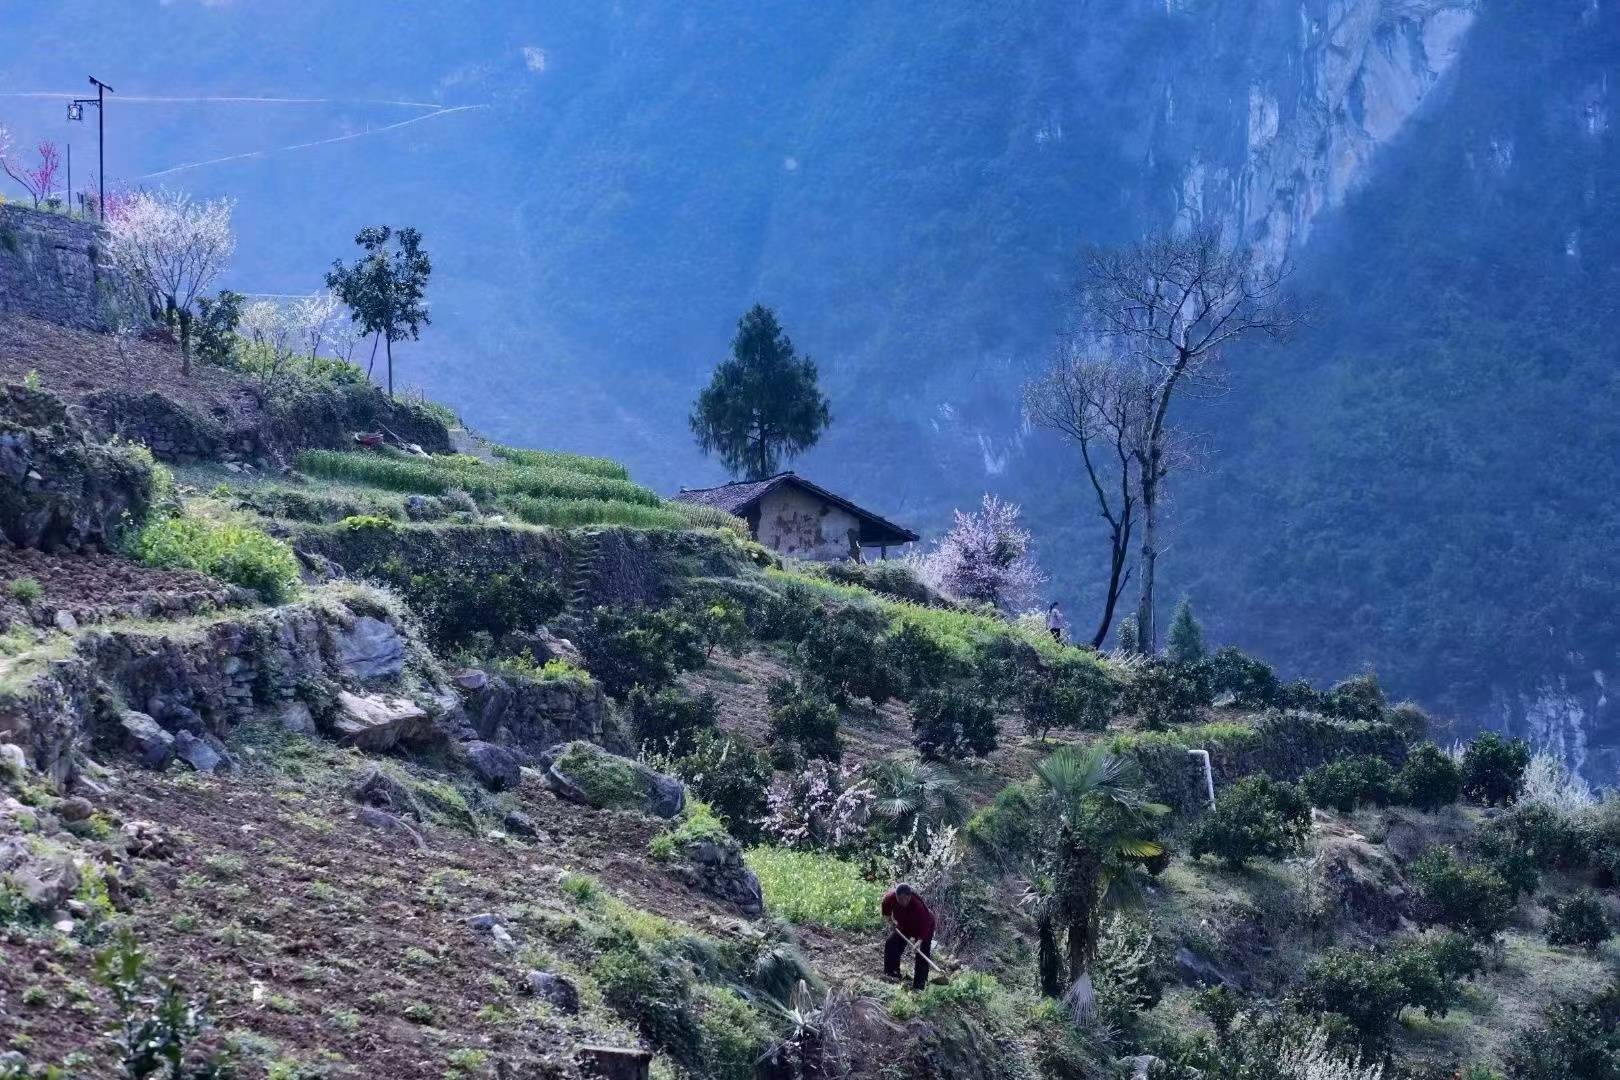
x=1424, y=479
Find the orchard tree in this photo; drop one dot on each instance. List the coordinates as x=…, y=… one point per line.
x=985, y=557
x=1165, y=309
x=1185, y=645
x=385, y=288
x=763, y=405
x=311, y=319
x=173, y=249
x=39, y=180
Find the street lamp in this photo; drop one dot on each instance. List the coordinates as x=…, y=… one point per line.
x=76, y=112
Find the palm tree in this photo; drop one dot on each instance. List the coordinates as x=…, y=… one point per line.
x=913, y=793
x=1101, y=830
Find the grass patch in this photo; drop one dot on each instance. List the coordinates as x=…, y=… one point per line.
x=811, y=887
x=698, y=822
x=609, y=783
x=228, y=550
x=438, y=475
x=562, y=459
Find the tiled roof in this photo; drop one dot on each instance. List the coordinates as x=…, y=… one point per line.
x=739, y=496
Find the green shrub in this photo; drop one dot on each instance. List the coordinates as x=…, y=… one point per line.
x=1410, y=719
x=1429, y=778
x=1468, y=897
x=1349, y=782
x=1161, y=694
x=668, y=719
x=654, y=993
x=647, y=648
x=1357, y=699
x=24, y=590
x=892, y=578
x=1500, y=850
x=952, y=723
x=462, y=605
x=239, y=554
x=1255, y=817
x=367, y=522
x=816, y=888
x=1369, y=989
x=1071, y=692
x=843, y=653
x=1493, y=768
x=733, y=1035
x=803, y=716
x=722, y=770
x=1578, y=921
x=1552, y=840
x=917, y=660
x=1574, y=1041
x=1251, y=681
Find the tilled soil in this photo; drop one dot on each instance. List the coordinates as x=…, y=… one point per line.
x=328, y=948
x=96, y=588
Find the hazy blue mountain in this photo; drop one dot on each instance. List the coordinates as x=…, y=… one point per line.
x=1421, y=481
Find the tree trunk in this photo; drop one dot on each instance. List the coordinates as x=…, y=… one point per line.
x=389, y=348
x=1118, y=575
x=1147, y=633
x=1049, y=961
x=375, y=339
x=1081, y=994
x=184, y=319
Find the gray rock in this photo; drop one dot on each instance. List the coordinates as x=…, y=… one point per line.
x=371, y=817
x=374, y=787
x=65, y=621
x=377, y=723
x=484, y=921
x=198, y=753
x=13, y=760
x=520, y=824
x=295, y=716
x=75, y=808
x=1196, y=970
x=496, y=767
x=660, y=795
x=150, y=744
x=562, y=994
x=370, y=649
x=44, y=879
x=472, y=679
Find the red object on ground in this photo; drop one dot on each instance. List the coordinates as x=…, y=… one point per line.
x=914, y=920
x=369, y=439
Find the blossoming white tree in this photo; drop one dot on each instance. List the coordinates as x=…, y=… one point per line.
x=311, y=318
x=173, y=248
x=985, y=557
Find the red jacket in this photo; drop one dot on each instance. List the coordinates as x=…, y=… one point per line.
x=914, y=920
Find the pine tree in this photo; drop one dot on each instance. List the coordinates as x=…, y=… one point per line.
x=1186, y=642
x=763, y=404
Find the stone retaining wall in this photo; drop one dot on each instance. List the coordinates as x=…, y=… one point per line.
x=56, y=268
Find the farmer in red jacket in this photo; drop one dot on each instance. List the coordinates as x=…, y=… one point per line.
x=908, y=918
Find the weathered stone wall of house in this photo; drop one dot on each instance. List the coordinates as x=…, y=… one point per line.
x=795, y=523
x=56, y=268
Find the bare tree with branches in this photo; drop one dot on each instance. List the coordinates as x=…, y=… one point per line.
x=1099, y=405
x=1167, y=307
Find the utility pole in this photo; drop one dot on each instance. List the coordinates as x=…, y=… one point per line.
x=76, y=112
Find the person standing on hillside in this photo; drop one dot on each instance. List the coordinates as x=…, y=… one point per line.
x=909, y=920
x=1055, y=623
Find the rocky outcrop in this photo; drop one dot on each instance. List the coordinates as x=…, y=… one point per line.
x=195, y=682
x=59, y=489
x=715, y=867
x=584, y=773
x=531, y=716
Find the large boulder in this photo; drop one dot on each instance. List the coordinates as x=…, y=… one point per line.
x=530, y=716
x=1361, y=881
x=496, y=767
x=372, y=722
x=146, y=739
x=369, y=648
x=585, y=773
x=45, y=879
x=715, y=866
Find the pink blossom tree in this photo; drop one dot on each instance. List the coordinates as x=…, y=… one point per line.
x=986, y=557
x=38, y=180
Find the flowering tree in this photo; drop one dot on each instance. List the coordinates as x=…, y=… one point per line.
x=985, y=557
x=173, y=248
x=311, y=319
x=39, y=180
